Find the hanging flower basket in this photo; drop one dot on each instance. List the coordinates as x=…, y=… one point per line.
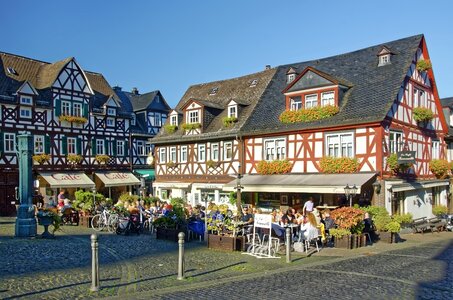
x=331, y=164
x=74, y=158
x=102, y=158
x=73, y=119
x=41, y=158
x=422, y=114
x=424, y=65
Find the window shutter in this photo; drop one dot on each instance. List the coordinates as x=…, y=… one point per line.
x=2, y=146
x=85, y=110
x=64, y=146
x=114, y=148
x=126, y=148
x=79, y=146
x=106, y=147
x=47, y=144
x=93, y=147
x=57, y=107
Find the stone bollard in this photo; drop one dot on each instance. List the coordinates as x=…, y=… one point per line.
x=94, y=263
x=181, y=236
x=288, y=245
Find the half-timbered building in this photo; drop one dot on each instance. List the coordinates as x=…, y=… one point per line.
x=361, y=106
x=81, y=129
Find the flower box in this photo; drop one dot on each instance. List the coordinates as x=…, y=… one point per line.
x=223, y=242
x=344, y=242
x=170, y=234
x=85, y=220
x=388, y=237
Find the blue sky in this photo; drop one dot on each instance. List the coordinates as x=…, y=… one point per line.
x=170, y=45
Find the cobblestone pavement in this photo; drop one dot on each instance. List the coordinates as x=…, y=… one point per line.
x=134, y=267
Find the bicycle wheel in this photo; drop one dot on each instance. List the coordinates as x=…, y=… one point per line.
x=97, y=223
x=113, y=223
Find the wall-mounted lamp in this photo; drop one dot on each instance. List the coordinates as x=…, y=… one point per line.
x=377, y=187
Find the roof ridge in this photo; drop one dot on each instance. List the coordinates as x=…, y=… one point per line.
x=24, y=57
x=233, y=78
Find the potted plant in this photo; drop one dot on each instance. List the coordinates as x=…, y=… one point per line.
x=171, y=223
x=211, y=164
x=85, y=203
x=41, y=158
x=74, y=158
x=349, y=219
x=308, y=115
x=49, y=217
x=395, y=167
x=170, y=128
x=387, y=228
x=171, y=164
x=342, y=238
x=439, y=167
x=274, y=167
x=422, y=115
x=331, y=164
x=228, y=121
x=191, y=126
x=440, y=210
x=424, y=65
x=102, y=158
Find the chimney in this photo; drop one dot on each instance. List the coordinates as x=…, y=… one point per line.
x=268, y=67
x=117, y=88
x=134, y=91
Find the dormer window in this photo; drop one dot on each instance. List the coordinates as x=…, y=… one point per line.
x=232, y=111
x=11, y=71
x=290, y=78
x=328, y=98
x=193, y=117
x=111, y=111
x=174, y=120
x=296, y=103
x=254, y=83
x=311, y=101
x=384, y=56
x=133, y=118
x=213, y=91
x=26, y=100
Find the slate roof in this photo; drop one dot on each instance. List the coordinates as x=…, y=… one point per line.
x=447, y=105
x=42, y=75
x=371, y=92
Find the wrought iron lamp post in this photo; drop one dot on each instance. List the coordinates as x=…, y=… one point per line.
x=238, y=188
x=350, y=192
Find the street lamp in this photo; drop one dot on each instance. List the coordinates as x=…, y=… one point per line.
x=205, y=198
x=350, y=192
x=238, y=188
x=93, y=189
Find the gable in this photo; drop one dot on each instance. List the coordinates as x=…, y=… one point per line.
x=309, y=80
x=71, y=77
x=111, y=103
x=28, y=89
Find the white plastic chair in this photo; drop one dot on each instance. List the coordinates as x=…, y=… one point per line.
x=313, y=236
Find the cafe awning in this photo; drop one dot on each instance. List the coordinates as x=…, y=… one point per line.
x=301, y=183
x=415, y=185
x=111, y=179
x=67, y=180
x=147, y=173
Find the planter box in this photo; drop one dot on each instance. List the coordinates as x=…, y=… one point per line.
x=226, y=242
x=344, y=242
x=170, y=234
x=85, y=221
x=387, y=237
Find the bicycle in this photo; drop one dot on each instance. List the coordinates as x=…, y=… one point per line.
x=105, y=219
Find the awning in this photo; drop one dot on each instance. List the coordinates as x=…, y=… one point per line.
x=168, y=185
x=67, y=180
x=117, y=178
x=416, y=185
x=147, y=173
x=301, y=183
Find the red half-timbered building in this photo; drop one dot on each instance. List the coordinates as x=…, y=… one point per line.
x=366, y=99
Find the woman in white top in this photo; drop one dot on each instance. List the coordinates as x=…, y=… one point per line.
x=309, y=230
x=308, y=206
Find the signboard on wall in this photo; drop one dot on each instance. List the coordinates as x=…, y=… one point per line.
x=406, y=157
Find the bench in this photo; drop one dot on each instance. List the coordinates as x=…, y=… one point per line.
x=421, y=224
x=437, y=224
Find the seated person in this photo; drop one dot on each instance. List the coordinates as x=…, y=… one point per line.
x=368, y=226
x=309, y=229
x=60, y=204
x=290, y=216
x=67, y=204
x=329, y=223
x=247, y=218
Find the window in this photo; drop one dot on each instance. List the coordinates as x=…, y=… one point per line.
x=77, y=109
x=395, y=141
x=140, y=148
x=295, y=103
x=110, y=122
x=339, y=145
x=311, y=100
x=71, y=144
x=9, y=140
x=65, y=108
x=158, y=120
x=148, y=148
x=254, y=83
x=451, y=118
x=228, y=151
x=100, y=146
x=328, y=98
x=183, y=154
x=162, y=155
x=172, y=154
x=201, y=152
x=26, y=100
x=151, y=119
x=174, y=120
x=164, y=119
x=133, y=119
x=213, y=91
x=384, y=59
x=193, y=117
x=435, y=150
x=111, y=111
x=290, y=78
x=275, y=149
x=25, y=112
x=420, y=98
x=232, y=111
x=38, y=144
x=215, y=152
x=120, y=148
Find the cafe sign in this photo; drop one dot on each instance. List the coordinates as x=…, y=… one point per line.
x=263, y=221
x=406, y=157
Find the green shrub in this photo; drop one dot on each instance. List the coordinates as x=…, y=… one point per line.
x=339, y=232
x=439, y=210
x=422, y=114
x=392, y=226
x=170, y=128
x=308, y=115
x=131, y=199
x=84, y=200
x=228, y=121
x=424, y=65
x=439, y=167
x=403, y=219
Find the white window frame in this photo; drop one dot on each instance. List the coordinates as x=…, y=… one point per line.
x=26, y=100
x=228, y=150
x=215, y=152
x=311, y=100
x=140, y=148
x=158, y=119
x=38, y=144
x=111, y=111
x=110, y=122
x=201, y=152
x=174, y=120
x=290, y=78
x=420, y=97
x=162, y=156
x=295, y=105
x=172, y=154
x=183, y=154
x=100, y=148
x=9, y=141
x=71, y=145
x=25, y=112
x=325, y=100
x=384, y=59
x=396, y=141
x=435, y=149
x=77, y=109
x=337, y=144
x=119, y=148
x=66, y=108
x=193, y=116
x=232, y=111
x=133, y=119
x=148, y=148
x=274, y=149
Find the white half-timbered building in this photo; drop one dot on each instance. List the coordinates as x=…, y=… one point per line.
x=372, y=93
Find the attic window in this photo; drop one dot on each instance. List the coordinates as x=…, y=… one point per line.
x=254, y=83
x=290, y=78
x=384, y=59
x=12, y=71
x=213, y=91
